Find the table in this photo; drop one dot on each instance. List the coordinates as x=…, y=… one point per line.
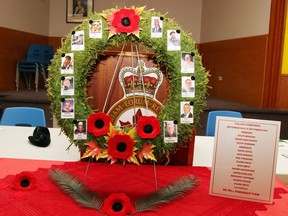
x=15, y=144
x=17, y=155
x=135, y=181
x=203, y=155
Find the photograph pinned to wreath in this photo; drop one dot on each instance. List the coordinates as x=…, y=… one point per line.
x=136, y=143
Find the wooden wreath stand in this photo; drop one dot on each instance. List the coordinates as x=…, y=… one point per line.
x=99, y=81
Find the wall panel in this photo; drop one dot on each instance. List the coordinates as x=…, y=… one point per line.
x=13, y=47
x=282, y=99
x=237, y=68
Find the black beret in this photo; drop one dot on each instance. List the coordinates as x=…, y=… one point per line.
x=41, y=137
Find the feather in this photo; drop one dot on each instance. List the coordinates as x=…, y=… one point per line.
x=76, y=189
x=168, y=194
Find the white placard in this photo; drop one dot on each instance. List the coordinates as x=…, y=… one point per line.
x=244, y=160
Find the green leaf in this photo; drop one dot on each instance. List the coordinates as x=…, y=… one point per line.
x=168, y=194
x=75, y=189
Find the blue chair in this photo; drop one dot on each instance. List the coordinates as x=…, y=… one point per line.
x=23, y=116
x=37, y=62
x=211, y=120
x=48, y=52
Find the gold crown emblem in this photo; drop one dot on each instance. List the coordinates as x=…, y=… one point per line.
x=140, y=80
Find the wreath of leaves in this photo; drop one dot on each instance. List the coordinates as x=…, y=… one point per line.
x=85, y=61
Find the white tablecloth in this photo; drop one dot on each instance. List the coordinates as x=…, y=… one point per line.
x=14, y=143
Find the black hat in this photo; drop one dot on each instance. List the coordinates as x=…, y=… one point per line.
x=41, y=137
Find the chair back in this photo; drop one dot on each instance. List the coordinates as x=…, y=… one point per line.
x=211, y=121
x=35, y=53
x=37, y=61
x=23, y=116
x=48, y=52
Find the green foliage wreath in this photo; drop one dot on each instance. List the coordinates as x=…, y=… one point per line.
x=85, y=61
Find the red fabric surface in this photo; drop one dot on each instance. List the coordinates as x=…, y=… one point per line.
x=135, y=181
x=13, y=166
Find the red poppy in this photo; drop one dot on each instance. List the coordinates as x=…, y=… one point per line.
x=120, y=146
x=24, y=181
x=98, y=124
x=126, y=20
x=117, y=204
x=148, y=127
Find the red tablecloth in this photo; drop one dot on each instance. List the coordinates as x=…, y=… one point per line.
x=135, y=181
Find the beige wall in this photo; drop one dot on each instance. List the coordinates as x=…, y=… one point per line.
x=229, y=19
x=186, y=13
x=207, y=20
x=57, y=19
x=26, y=15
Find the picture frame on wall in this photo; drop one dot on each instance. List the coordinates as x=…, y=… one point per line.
x=78, y=10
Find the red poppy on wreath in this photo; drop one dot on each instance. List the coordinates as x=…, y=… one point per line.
x=98, y=124
x=120, y=146
x=24, y=181
x=124, y=20
x=148, y=127
x=117, y=204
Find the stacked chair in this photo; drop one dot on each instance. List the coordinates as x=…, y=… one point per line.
x=48, y=52
x=37, y=61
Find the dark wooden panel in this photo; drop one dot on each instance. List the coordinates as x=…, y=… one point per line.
x=55, y=42
x=274, y=53
x=282, y=99
x=241, y=65
x=13, y=47
x=99, y=82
